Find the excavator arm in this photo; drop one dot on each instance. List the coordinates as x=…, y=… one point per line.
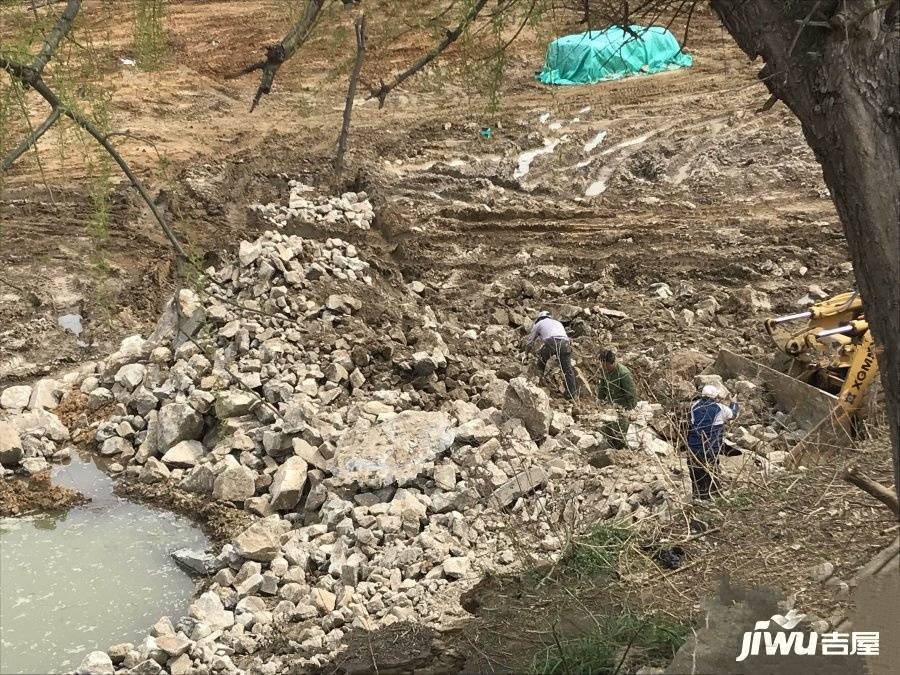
x=833, y=349
x=863, y=371
x=823, y=316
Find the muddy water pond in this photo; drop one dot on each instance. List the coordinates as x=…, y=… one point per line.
x=91, y=577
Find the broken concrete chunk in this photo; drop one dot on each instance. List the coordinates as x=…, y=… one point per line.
x=114, y=446
x=178, y=422
x=343, y=303
x=96, y=663
x=391, y=452
x=323, y=600
x=209, y=609
x=130, y=376
x=309, y=454
x=262, y=540
x=235, y=484
x=529, y=403
x=234, y=403
x=179, y=322
x=41, y=423
x=46, y=394
x=15, y=398
x=445, y=476
x=456, y=568
x=154, y=471
x=287, y=485
x=517, y=486
x=10, y=445
x=198, y=562
x=184, y=454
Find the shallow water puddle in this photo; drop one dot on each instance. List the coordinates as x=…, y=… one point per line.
x=527, y=157
x=97, y=575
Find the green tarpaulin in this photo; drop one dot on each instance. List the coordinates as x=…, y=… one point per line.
x=610, y=54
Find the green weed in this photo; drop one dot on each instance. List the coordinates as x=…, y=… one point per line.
x=149, y=34
x=598, y=552
x=648, y=638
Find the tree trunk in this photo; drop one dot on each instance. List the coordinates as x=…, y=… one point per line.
x=360, y=27
x=834, y=64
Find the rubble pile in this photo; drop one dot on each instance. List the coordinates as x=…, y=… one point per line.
x=31, y=435
x=352, y=208
x=387, y=472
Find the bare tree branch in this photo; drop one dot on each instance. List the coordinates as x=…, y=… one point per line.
x=279, y=53
x=451, y=36
x=351, y=92
x=60, y=30
x=31, y=140
x=33, y=79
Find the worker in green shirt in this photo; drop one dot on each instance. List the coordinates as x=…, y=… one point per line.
x=616, y=386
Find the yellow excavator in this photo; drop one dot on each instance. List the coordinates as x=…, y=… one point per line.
x=833, y=350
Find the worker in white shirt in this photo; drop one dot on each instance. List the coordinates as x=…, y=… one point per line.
x=553, y=342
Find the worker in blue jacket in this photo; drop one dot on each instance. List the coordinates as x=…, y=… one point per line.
x=706, y=433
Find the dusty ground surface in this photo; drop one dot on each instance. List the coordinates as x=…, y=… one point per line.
x=19, y=497
x=691, y=172
x=699, y=192
x=766, y=536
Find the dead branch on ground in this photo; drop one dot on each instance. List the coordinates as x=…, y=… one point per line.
x=883, y=494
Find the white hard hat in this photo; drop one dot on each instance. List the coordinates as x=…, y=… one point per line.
x=710, y=391
x=542, y=315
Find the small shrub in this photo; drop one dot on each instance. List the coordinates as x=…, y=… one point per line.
x=598, y=552
x=648, y=639
x=149, y=34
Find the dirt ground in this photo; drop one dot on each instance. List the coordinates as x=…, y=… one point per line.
x=692, y=173
x=19, y=497
x=695, y=190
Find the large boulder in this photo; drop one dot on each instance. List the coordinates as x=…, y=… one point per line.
x=183, y=455
x=262, y=540
x=179, y=322
x=287, y=486
x=96, y=663
x=10, y=445
x=15, y=398
x=209, y=609
x=234, y=403
x=234, y=484
x=178, y=422
x=391, y=452
x=529, y=403
x=46, y=394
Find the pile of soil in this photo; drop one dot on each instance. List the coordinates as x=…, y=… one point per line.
x=20, y=496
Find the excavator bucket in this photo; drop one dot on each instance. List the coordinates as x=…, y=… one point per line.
x=813, y=409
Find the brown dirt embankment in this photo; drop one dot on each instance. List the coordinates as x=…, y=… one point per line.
x=20, y=496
